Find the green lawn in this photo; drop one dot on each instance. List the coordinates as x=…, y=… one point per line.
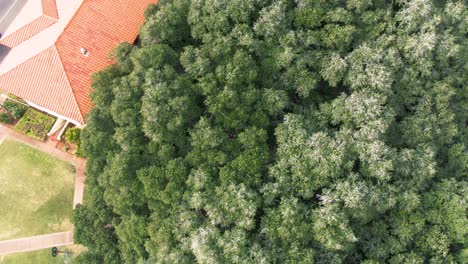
x=36, y=193
x=41, y=256
x=36, y=257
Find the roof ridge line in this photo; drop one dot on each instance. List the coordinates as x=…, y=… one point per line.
x=69, y=84
x=30, y=58
x=53, y=18
x=69, y=22
x=13, y=34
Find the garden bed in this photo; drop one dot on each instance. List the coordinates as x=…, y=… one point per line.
x=11, y=112
x=35, y=124
x=66, y=146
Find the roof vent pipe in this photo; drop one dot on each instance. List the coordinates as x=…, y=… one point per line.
x=84, y=52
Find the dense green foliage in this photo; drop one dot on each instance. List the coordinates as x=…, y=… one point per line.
x=72, y=135
x=15, y=109
x=5, y=118
x=282, y=131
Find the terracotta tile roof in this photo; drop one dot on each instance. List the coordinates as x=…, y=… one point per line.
x=49, y=16
x=28, y=31
x=45, y=84
x=59, y=78
x=49, y=8
x=98, y=27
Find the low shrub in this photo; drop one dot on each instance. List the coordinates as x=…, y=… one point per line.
x=19, y=99
x=73, y=135
x=5, y=118
x=35, y=124
x=16, y=109
x=78, y=151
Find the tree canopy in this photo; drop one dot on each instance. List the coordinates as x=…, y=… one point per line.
x=282, y=131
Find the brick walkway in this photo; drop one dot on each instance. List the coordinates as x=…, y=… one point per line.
x=35, y=243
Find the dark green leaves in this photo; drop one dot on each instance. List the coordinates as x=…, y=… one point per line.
x=280, y=131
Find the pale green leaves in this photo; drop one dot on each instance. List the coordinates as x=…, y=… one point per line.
x=289, y=223
x=370, y=68
x=275, y=100
x=414, y=13
x=272, y=19
x=331, y=228
x=308, y=162
x=333, y=69
x=233, y=205
x=203, y=245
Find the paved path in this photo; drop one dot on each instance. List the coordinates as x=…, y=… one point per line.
x=79, y=184
x=35, y=243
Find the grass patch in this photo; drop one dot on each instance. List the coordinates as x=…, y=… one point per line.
x=35, y=124
x=37, y=257
x=41, y=256
x=36, y=196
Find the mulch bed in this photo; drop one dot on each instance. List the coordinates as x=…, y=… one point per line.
x=62, y=146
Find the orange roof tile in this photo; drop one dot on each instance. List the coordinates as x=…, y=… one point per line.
x=27, y=31
x=49, y=16
x=49, y=8
x=59, y=78
x=42, y=81
x=99, y=26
